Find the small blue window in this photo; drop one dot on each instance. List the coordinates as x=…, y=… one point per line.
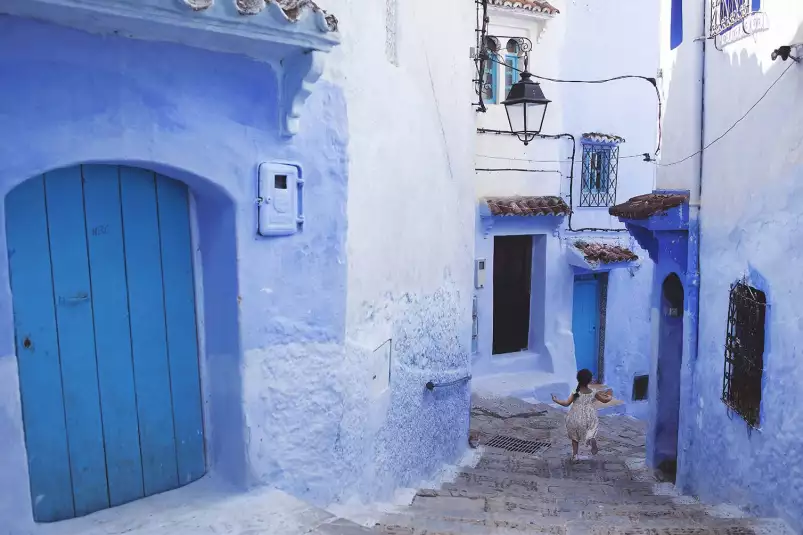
x=600, y=168
x=489, y=82
x=511, y=65
x=490, y=79
x=676, y=29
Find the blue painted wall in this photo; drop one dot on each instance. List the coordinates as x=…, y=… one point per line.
x=627, y=331
x=207, y=119
x=551, y=359
x=724, y=459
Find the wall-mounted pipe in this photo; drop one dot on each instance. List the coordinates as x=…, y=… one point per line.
x=431, y=385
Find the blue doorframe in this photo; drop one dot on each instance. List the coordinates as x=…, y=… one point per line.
x=586, y=322
x=104, y=314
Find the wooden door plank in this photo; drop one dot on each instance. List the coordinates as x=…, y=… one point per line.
x=148, y=332
x=104, y=234
x=182, y=340
x=71, y=284
x=38, y=352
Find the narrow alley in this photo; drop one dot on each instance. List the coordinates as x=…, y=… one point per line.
x=537, y=489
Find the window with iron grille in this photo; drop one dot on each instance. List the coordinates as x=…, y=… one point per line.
x=725, y=14
x=744, y=352
x=600, y=167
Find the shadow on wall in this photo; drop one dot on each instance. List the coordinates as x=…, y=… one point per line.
x=752, y=186
x=670, y=355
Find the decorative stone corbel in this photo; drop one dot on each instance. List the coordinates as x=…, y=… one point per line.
x=299, y=73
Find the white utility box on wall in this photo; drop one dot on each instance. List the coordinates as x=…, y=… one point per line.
x=479, y=273
x=280, y=206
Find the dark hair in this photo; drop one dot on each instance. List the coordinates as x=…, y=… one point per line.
x=584, y=378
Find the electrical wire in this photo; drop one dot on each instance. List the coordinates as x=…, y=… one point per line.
x=652, y=82
x=548, y=161
x=734, y=125
x=495, y=169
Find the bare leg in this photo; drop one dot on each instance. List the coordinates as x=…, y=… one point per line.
x=575, y=447
x=594, y=448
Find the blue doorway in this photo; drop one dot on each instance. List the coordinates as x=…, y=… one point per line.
x=103, y=294
x=670, y=357
x=586, y=322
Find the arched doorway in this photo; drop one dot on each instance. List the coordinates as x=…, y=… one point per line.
x=103, y=293
x=670, y=356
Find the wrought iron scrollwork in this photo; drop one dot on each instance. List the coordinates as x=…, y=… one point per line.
x=490, y=51
x=727, y=13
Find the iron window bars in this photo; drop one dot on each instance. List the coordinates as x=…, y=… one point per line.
x=744, y=352
x=599, y=175
x=727, y=13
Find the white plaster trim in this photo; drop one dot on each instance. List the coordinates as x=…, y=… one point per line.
x=298, y=80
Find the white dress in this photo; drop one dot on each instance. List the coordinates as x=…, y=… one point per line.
x=582, y=421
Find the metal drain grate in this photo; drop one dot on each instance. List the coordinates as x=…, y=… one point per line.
x=515, y=444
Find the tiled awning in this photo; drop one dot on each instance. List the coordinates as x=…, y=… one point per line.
x=597, y=256
x=536, y=6
x=527, y=206
x=648, y=205
x=602, y=138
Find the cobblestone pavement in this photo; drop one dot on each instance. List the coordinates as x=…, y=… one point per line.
x=613, y=493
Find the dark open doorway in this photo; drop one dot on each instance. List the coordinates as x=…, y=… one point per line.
x=670, y=355
x=513, y=261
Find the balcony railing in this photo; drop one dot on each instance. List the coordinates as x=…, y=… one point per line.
x=727, y=13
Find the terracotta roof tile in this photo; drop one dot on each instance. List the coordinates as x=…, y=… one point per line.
x=527, y=206
x=604, y=253
x=536, y=6
x=604, y=138
x=644, y=206
x=292, y=9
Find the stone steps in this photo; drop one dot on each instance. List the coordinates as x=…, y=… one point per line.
x=419, y=522
x=510, y=493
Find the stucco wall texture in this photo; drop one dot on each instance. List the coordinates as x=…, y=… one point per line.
x=749, y=223
x=292, y=378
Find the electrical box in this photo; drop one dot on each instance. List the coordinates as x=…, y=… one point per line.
x=280, y=201
x=479, y=273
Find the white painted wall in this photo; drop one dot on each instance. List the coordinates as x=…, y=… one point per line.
x=590, y=39
x=505, y=152
x=410, y=221
x=749, y=226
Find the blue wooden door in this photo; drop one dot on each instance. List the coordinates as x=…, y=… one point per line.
x=585, y=322
x=104, y=316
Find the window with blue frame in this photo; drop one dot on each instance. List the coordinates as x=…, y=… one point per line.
x=676, y=25
x=511, y=65
x=725, y=14
x=489, y=82
x=599, y=173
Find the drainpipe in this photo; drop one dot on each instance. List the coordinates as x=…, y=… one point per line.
x=695, y=236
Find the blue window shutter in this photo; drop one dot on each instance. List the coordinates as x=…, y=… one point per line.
x=756, y=5
x=676, y=26
x=511, y=73
x=605, y=170
x=586, y=174
x=489, y=91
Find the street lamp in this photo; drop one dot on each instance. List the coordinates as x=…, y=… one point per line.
x=526, y=108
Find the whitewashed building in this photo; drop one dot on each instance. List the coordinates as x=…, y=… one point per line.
x=255, y=255
x=723, y=227
x=552, y=265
